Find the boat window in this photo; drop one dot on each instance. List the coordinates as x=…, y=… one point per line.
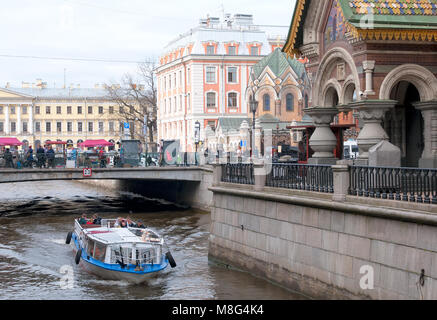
x=90, y=247
x=100, y=252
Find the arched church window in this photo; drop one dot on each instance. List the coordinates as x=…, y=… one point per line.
x=290, y=102
x=266, y=102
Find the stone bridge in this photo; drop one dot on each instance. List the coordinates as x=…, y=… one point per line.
x=192, y=174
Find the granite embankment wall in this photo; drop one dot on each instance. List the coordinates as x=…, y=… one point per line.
x=311, y=244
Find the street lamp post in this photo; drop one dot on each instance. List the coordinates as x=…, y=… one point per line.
x=253, y=107
x=196, y=138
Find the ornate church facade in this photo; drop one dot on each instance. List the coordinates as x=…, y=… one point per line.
x=376, y=58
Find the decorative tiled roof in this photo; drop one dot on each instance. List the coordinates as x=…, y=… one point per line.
x=390, y=20
x=278, y=62
x=394, y=7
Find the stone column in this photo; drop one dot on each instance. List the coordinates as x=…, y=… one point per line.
x=372, y=113
x=368, y=67
x=19, y=120
x=429, y=114
x=323, y=141
x=30, y=125
x=7, y=121
x=341, y=180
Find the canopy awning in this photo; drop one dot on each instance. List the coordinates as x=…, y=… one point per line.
x=12, y=142
x=95, y=143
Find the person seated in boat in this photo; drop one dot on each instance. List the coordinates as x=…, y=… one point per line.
x=146, y=236
x=130, y=223
x=117, y=223
x=140, y=225
x=83, y=219
x=97, y=219
x=123, y=223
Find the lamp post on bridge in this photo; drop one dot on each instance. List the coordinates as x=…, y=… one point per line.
x=253, y=108
x=196, y=138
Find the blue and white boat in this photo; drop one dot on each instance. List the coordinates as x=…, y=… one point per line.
x=113, y=253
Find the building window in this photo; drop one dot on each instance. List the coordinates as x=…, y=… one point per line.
x=232, y=75
x=232, y=50
x=254, y=51
x=111, y=110
x=210, y=100
x=266, y=101
x=210, y=50
x=69, y=126
x=188, y=76
x=121, y=109
x=58, y=110
x=306, y=101
x=24, y=109
x=289, y=102
x=1, y=110
x=79, y=126
x=90, y=127
x=48, y=127
x=12, y=110
x=69, y=110
x=210, y=74
x=100, y=127
x=58, y=127
x=111, y=126
x=13, y=126
x=37, y=126
x=189, y=102
x=100, y=110
x=37, y=110
x=47, y=110
x=90, y=110
x=2, y=128
x=180, y=103
x=79, y=110
x=24, y=127
x=232, y=100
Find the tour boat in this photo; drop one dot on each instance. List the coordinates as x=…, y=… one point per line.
x=113, y=253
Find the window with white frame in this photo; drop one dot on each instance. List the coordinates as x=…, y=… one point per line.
x=211, y=100
x=37, y=126
x=210, y=74
x=2, y=128
x=25, y=127
x=254, y=51
x=232, y=75
x=232, y=100
x=232, y=50
x=210, y=50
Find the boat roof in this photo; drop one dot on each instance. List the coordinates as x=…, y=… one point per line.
x=113, y=235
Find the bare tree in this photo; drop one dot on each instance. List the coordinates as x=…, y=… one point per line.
x=137, y=102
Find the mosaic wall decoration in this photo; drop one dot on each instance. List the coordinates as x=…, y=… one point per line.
x=336, y=28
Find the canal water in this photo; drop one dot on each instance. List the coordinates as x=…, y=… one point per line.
x=36, y=217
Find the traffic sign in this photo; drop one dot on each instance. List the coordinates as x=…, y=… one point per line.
x=87, y=172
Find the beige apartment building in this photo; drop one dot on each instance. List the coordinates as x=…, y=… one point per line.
x=36, y=114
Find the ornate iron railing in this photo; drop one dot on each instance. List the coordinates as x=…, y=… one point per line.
x=241, y=173
x=403, y=184
x=318, y=178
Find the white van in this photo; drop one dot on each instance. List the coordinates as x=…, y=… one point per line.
x=351, y=149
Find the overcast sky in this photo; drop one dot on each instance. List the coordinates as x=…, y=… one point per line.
x=128, y=30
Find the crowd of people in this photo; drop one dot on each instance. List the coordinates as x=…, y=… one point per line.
x=119, y=223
